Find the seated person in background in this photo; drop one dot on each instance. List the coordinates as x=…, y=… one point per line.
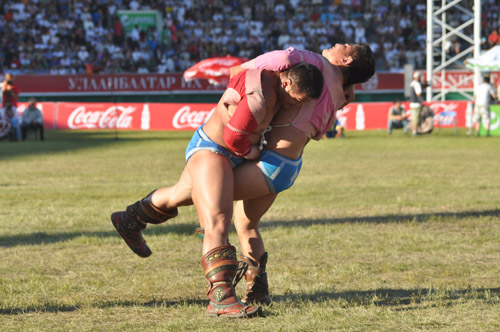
x=11, y=122
x=32, y=120
x=397, y=117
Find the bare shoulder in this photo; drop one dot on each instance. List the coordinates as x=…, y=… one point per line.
x=270, y=84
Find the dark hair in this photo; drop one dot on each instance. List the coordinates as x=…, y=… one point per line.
x=363, y=65
x=308, y=78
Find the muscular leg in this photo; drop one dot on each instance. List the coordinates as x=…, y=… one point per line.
x=212, y=193
x=253, y=254
x=177, y=195
x=213, y=183
x=247, y=215
x=248, y=183
x=252, y=192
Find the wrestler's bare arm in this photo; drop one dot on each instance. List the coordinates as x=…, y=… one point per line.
x=233, y=71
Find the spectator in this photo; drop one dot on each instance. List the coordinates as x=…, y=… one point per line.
x=494, y=38
x=83, y=54
x=32, y=121
x=143, y=68
x=396, y=119
x=162, y=67
x=134, y=5
x=10, y=91
x=135, y=34
x=415, y=102
x=9, y=116
x=483, y=97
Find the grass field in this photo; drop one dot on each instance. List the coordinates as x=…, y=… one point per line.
x=379, y=233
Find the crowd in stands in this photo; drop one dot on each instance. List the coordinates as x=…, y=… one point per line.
x=86, y=36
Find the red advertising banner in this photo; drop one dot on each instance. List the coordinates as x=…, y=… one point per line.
x=132, y=116
x=174, y=83
x=179, y=116
x=107, y=84
x=459, y=79
x=363, y=116
x=383, y=82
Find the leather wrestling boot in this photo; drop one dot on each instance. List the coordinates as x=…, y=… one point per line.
x=133, y=220
x=220, y=265
x=257, y=287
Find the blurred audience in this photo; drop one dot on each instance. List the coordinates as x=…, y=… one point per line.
x=73, y=37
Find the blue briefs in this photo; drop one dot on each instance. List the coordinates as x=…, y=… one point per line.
x=200, y=141
x=280, y=172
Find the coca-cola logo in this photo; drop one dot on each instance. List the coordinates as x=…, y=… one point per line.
x=113, y=117
x=187, y=118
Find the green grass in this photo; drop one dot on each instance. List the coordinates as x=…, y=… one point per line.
x=379, y=233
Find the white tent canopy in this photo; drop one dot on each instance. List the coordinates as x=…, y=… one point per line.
x=488, y=61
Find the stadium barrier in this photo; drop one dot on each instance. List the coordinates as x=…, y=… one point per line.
x=189, y=116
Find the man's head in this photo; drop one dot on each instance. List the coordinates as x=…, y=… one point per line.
x=358, y=59
x=487, y=78
x=32, y=102
x=416, y=76
x=302, y=83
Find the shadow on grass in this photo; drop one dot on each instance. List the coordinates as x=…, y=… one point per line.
x=421, y=217
x=111, y=304
x=41, y=238
x=380, y=297
x=68, y=140
x=387, y=297
x=188, y=229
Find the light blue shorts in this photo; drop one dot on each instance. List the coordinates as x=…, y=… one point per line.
x=200, y=141
x=280, y=172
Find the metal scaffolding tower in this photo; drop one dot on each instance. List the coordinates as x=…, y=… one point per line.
x=447, y=21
